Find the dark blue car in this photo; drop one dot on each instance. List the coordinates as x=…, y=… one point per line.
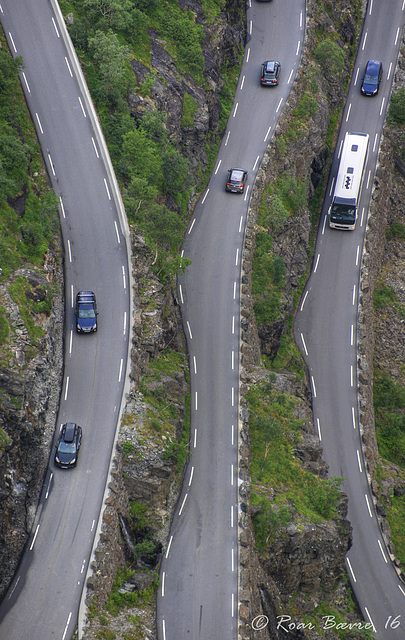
x=372, y=78
x=86, y=312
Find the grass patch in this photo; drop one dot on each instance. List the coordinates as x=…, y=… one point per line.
x=389, y=410
x=5, y=440
x=20, y=290
x=395, y=231
x=384, y=296
x=275, y=433
x=118, y=601
x=190, y=107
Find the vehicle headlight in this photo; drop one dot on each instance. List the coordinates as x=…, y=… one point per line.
x=72, y=461
x=57, y=459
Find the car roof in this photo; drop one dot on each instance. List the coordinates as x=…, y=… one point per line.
x=70, y=429
x=270, y=65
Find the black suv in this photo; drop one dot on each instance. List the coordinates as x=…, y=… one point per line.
x=236, y=180
x=86, y=312
x=68, y=446
x=270, y=73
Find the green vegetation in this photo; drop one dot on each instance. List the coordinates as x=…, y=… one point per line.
x=24, y=235
x=384, y=296
x=330, y=56
x=396, y=230
x=166, y=412
x=154, y=174
x=5, y=440
x=268, y=280
x=396, y=109
x=4, y=328
x=28, y=208
x=389, y=409
x=118, y=601
x=324, y=616
x=21, y=292
x=190, y=107
x=127, y=447
x=299, y=494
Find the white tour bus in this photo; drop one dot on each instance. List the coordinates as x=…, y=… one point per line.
x=343, y=210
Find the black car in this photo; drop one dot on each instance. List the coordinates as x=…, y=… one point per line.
x=236, y=180
x=372, y=78
x=86, y=312
x=270, y=73
x=68, y=446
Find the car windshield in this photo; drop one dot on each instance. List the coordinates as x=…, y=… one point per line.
x=237, y=176
x=370, y=79
x=86, y=312
x=67, y=447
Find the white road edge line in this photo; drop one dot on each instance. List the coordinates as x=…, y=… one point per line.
x=35, y=537
x=67, y=387
x=168, y=546
x=351, y=570
x=117, y=232
x=368, y=505
x=67, y=626
x=319, y=429
x=183, y=503
x=26, y=82
x=39, y=123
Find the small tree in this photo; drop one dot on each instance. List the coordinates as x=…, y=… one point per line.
x=110, y=57
x=175, y=168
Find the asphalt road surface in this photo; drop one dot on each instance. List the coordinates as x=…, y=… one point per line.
x=44, y=597
x=326, y=331
x=198, y=596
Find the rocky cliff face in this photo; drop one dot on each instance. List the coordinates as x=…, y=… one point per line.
x=30, y=379
x=222, y=46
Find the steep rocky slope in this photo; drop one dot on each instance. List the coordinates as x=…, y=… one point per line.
x=30, y=379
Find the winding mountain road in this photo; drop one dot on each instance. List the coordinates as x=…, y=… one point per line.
x=326, y=328
x=198, y=595
x=44, y=597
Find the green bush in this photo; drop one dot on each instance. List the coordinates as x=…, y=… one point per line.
x=395, y=230
x=127, y=447
x=268, y=519
x=384, y=296
x=330, y=56
x=178, y=452
x=292, y=192
x=396, y=109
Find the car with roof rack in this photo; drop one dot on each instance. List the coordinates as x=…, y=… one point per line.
x=86, y=312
